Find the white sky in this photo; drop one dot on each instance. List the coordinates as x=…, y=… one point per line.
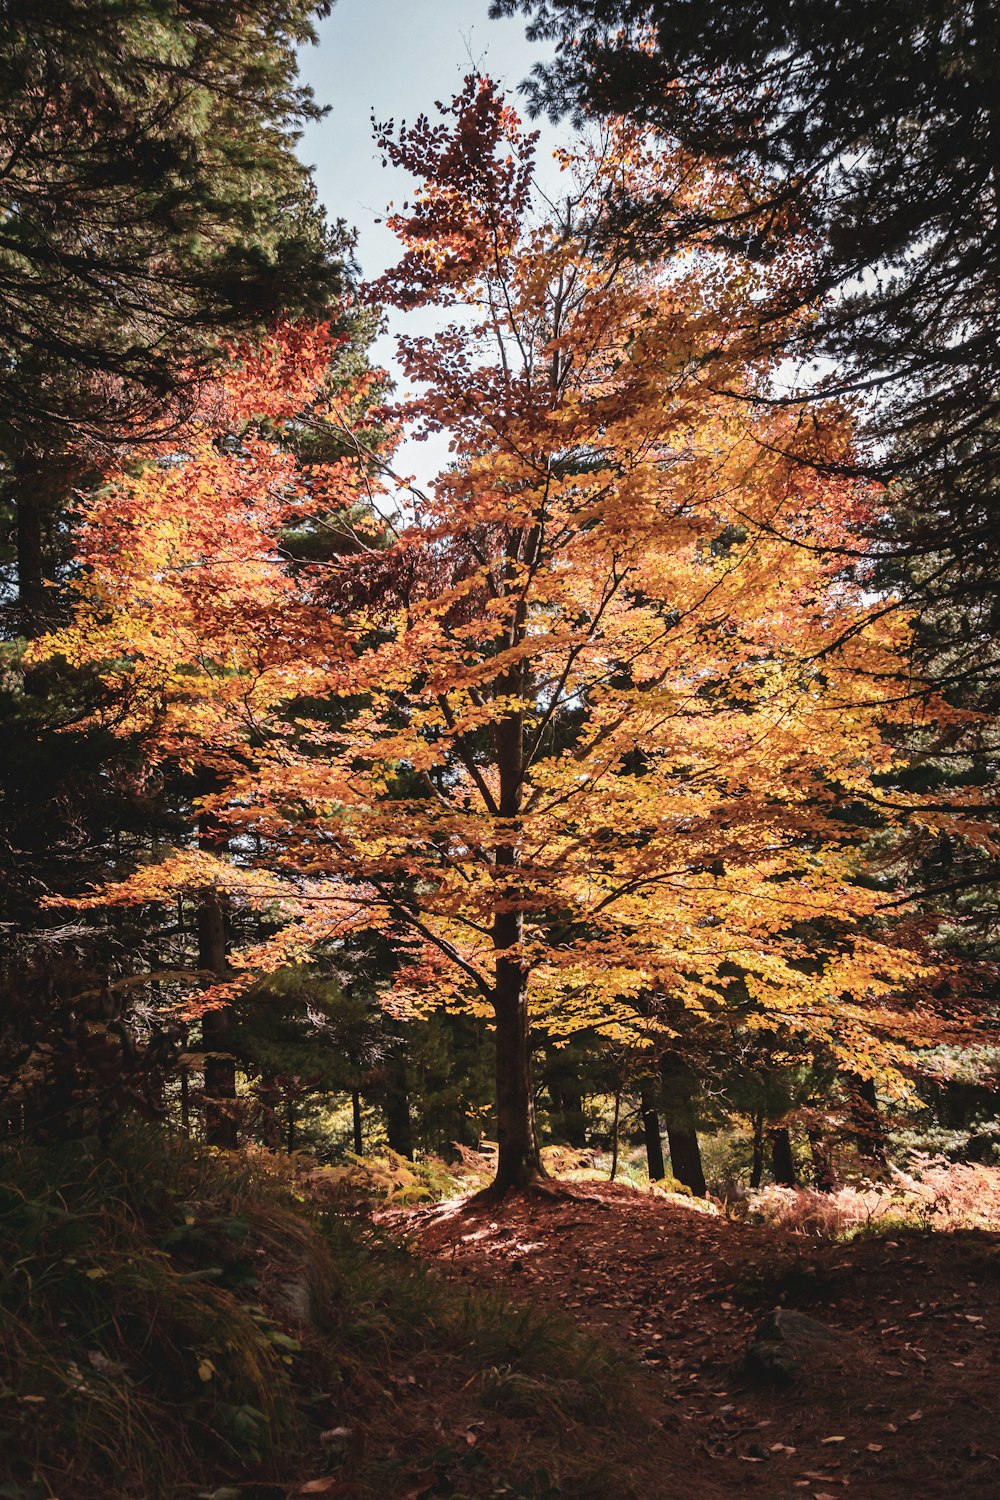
x=393, y=59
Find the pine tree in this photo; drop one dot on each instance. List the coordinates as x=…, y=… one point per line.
x=153, y=204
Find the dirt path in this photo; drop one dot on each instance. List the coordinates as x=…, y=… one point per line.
x=900, y=1400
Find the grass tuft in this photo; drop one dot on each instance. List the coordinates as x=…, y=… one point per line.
x=176, y=1322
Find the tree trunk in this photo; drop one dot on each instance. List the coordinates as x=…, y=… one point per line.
x=31, y=589
x=870, y=1130
x=569, y=1117
x=757, y=1164
x=396, y=1104
x=680, y=1118
x=615, y=1132
x=221, y=1124
x=359, y=1143
x=519, y=1162
x=825, y=1177
x=268, y=1100
x=782, y=1160
x=685, y=1159
x=221, y=1127
x=651, y=1130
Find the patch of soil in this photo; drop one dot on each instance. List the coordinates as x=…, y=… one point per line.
x=901, y=1402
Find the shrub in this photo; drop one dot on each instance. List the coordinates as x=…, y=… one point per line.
x=173, y=1319
x=931, y=1194
x=389, y=1179
x=132, y=1311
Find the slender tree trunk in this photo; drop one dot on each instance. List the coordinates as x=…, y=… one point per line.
x=359, y=1143
x=519, y=1162
x=757, y=1164
x=290, y=1123
x=782, y=1160
x=680, y=1118
x=221, y=1126
x=31, y=590
x=268, y=1098
x=570, y=1121
x=397, y=1105
x=651, y=1130
x=615, y=1133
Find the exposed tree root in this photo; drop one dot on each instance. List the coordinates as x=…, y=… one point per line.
x=536, y=1186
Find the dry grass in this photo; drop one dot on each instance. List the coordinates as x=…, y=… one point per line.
x=931, y=1194
x=173, y=1322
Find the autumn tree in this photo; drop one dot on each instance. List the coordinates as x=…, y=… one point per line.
x=609, y=696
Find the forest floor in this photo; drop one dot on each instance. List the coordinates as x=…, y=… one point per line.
x=900, y=1399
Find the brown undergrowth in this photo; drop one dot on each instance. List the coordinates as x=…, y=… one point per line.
x=174, y=1324
x=177, y=1324
x=901, y=1403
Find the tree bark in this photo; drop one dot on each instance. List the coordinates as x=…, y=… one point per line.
x=221, y=1126
x=680, y=1119
x=359, y=1143
x=782, y=1160
x=651, y=1130
x=825, y=1177
x=757, y=1163
x=396, y=1103
x=268, y=1100
x=569, y=1117
x=870, y=1130
x=519, y=1161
